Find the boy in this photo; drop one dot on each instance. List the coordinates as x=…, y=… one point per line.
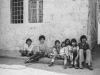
x=41, y=50
x=84, y=53
x=28, y=48
x=58, y=51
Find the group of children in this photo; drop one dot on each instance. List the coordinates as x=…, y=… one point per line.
x=76, y=53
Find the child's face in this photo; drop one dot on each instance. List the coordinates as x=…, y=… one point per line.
x=29, y=43
x=42, y=41
x=67, y=42
x=57, y=44
x=63, y=44
x=84, y=40
x=73, y=43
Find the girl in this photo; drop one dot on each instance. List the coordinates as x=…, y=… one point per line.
x=59, y=51
x=67, y=47
x=63, y=54
x=73, y=53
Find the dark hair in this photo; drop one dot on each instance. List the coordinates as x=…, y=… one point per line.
x=57, y=41
x=74, y=40
x=28, y=40
x=41, y=37
x=62, y=43
x=83, y=37
x=66, y=43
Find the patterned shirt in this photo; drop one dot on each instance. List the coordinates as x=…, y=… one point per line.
x=75, y=49
x=84, y=46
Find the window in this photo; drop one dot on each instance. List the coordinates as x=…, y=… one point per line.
x=36, y=11
x=16, y=11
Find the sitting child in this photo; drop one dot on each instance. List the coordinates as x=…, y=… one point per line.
x=73, y=53
x=59, y=51
x=41, y=50
x=67, y=47
x=28, y=48
x=85, y=53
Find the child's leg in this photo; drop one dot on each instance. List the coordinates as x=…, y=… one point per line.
x=89, y=59
x=30, y=53
x=75, y=59
x=23, y=52
x=52, y=60
x=65, y=61
x=71, y=60
x=81, y=58
x=54, y=55
x=33, y=57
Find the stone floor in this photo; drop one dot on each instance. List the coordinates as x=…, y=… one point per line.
x=12, y=66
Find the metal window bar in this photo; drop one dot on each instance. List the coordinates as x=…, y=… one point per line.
x=17, y=11
x=34, y=11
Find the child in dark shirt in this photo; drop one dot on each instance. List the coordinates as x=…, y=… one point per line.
x=84, y=53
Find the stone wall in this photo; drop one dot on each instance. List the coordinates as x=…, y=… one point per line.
x=92, y=23
x=98, y=19
x=62, y=19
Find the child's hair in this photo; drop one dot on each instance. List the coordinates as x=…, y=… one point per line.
x=62, y=43
x=41, y=37
x=57, y=41
x=74, y=40
x=83, y=37
x=66, y=43
x=28, y=40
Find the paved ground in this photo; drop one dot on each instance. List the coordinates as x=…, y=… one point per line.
x=11, y=66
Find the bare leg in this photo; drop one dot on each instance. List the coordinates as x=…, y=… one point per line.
x=65, y=61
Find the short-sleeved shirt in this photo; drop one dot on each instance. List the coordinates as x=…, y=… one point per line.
x=42, y=47
x=84, y=46
x=28, y=48
x=75, y=48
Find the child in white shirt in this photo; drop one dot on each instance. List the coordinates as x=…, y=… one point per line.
x=27, y=48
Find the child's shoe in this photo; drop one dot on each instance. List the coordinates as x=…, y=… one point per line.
x=80, y=66
x=90, y=67
x=76, y=67
x=71, y=66
x=51, y=64
x=65, y=66
x=27, y=61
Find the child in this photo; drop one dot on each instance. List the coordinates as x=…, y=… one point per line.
x=84, y=52
x=41, y=50
x=67, y=47
x=28, y=48
x=59, y=51
x=73, y=53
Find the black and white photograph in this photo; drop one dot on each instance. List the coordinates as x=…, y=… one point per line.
x=49, y=37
